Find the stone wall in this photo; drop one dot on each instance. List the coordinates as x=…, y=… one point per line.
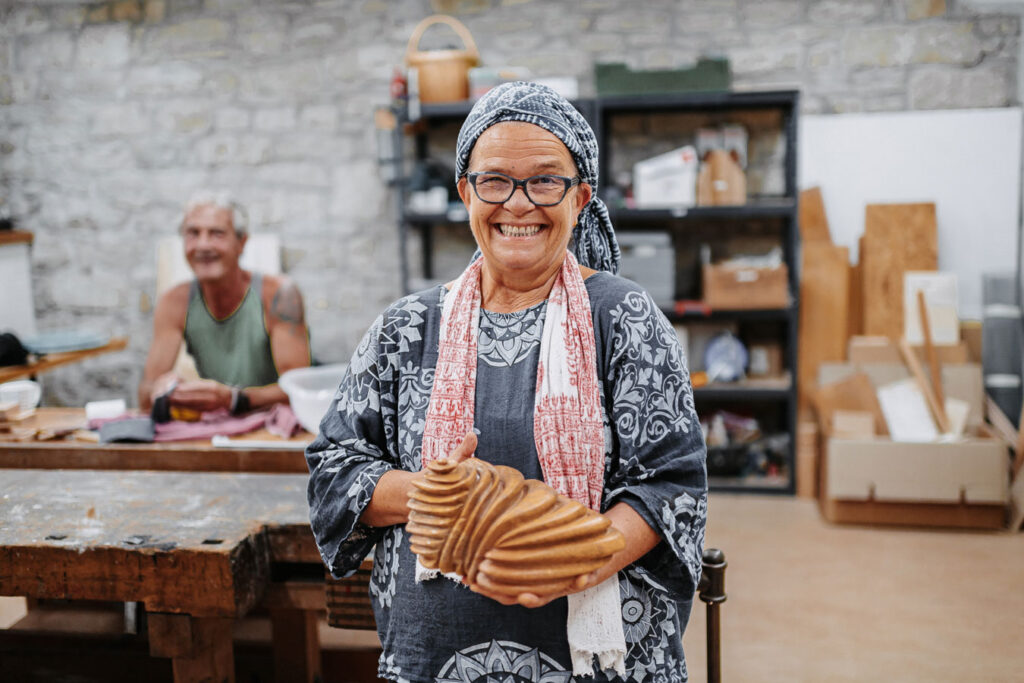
x=112, y=113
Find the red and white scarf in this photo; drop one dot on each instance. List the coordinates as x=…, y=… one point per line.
x=567, y=427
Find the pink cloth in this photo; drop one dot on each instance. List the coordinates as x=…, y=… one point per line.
x=279, y=420
x=567, y=424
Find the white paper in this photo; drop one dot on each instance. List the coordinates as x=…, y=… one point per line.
x=906, y=412
x=940, y=301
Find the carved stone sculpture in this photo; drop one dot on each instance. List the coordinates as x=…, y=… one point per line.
x=475, y=517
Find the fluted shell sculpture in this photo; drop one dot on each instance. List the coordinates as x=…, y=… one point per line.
x=473, y=517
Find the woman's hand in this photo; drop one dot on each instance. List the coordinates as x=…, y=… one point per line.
x=484, y=586
x=390, y=502
x=640, y=538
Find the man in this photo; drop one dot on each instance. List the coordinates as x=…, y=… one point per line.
x=243, y=329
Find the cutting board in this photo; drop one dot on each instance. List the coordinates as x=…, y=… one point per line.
x=897, y=238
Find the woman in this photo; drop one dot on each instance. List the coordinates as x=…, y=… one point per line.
x=533, y=360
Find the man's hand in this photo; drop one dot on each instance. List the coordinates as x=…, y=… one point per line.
x=163, y=384
x=202, y=394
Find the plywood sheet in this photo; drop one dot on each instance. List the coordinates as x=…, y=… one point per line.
x=824, y=295
x=813, y=219
x=897, y=238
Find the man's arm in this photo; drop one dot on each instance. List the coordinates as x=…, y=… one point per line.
x=168, y=332
x=289, y=336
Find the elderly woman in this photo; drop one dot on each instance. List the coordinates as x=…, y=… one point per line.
x=539, y=358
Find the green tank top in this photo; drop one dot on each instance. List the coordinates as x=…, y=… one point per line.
x=235, y=350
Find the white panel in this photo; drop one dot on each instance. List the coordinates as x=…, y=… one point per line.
x=17, y=310
x=966, y=161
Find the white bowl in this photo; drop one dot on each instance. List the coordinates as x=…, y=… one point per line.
x=310, y=391
x=24, y=392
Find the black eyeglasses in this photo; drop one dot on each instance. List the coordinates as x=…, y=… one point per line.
x=542, y=190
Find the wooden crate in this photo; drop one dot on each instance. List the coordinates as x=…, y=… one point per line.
x=348, y=600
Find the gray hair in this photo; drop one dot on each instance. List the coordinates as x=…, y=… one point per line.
x=221, y=199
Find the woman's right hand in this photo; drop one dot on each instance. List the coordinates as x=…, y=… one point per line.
x=390, y=502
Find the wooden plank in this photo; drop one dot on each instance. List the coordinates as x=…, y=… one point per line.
x=296, y=645
x=807, y=457
x=855, y=310
x=937, y=409
x=897, y=238
x=201, y=650
x=813, y=219
x=824, y=295
x=55, y=360
x=957, y=516
x=15, y=237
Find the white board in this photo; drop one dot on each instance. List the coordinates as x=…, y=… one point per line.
x=966, y=161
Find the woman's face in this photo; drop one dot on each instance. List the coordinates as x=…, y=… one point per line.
x=518, y=238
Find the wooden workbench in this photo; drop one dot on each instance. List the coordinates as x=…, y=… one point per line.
x=189, y=456
x=49, y=361
x=195, y=548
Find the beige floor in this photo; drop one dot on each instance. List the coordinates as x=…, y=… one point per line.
x=810, y=601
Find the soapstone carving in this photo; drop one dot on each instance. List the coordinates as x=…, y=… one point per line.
x=475, y=517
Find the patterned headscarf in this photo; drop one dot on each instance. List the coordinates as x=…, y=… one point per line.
x=593, y=237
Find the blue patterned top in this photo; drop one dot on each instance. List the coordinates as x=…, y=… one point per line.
x=438, y=631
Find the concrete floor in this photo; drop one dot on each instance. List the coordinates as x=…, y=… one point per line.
x=810, y=601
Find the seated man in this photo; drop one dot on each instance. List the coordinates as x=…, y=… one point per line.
x=243, y=329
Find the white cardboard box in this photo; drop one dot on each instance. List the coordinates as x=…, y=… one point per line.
x=666, y=181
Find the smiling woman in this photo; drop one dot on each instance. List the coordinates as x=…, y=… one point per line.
x=540, y=359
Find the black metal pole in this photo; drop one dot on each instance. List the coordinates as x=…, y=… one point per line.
x=712, y=591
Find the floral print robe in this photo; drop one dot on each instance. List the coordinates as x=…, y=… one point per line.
x=438, y=630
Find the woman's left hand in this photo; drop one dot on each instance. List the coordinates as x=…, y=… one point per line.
x=640, y=538
x=484, y=586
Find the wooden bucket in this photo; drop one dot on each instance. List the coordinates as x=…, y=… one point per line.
x=348, y=600
x=443, y=75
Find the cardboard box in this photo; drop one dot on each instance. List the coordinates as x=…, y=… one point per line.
x=731, y=288
x=960, y=381
x=870, y=349
x=721, y=180
x=874, y=480
x=877, y=481
x=666, y=181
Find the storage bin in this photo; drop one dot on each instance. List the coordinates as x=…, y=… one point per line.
x=733, y=288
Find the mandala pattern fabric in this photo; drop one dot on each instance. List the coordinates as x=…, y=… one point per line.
x=593, y=237
x=653, y=461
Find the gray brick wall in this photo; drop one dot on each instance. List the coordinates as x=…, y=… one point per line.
x=111, y=113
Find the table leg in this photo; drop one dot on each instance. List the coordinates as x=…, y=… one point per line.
x=296, y=645
x=200, y=648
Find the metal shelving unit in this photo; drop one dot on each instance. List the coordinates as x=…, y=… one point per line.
x=681, y=222
x=780, y=395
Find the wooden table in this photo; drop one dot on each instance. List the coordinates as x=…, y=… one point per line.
x=194, y=456
x=50, y=361
x=196, y=548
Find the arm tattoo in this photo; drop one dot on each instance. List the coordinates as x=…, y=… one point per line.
x=287, y=304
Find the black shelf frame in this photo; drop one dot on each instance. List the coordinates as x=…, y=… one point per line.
x=598, y=112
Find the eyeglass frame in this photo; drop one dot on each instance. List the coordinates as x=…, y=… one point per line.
x=517, y=183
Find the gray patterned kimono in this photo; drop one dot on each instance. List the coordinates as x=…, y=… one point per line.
x=438, y=630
